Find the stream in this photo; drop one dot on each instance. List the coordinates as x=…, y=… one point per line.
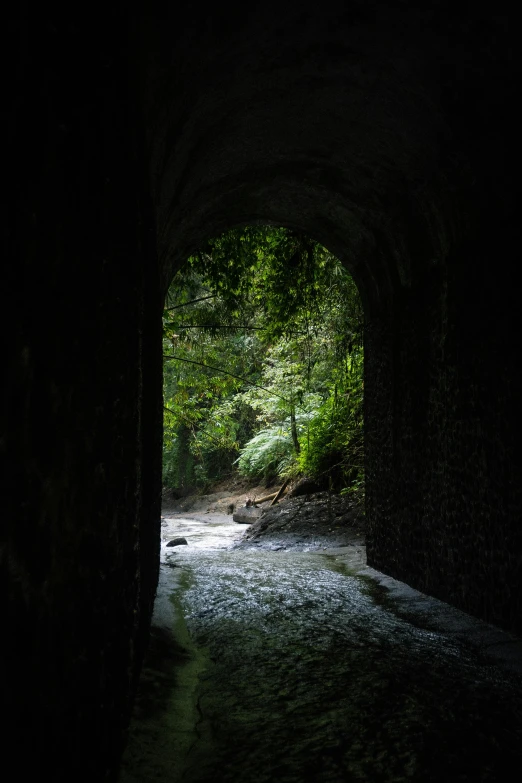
x=292, y=665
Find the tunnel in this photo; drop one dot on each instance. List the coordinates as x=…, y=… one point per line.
x=135, y=132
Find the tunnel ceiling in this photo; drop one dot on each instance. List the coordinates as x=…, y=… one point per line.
x=334, y=118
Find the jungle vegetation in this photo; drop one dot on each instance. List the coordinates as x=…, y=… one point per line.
x=263, y=360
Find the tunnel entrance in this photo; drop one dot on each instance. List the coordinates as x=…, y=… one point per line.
x=386, y=131
x=263, y=366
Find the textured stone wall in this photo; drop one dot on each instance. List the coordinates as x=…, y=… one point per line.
x=442, y=414
x=81, y=423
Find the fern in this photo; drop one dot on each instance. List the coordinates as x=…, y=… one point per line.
x=267, y=453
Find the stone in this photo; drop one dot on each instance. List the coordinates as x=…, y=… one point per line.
x=247, y=515
x=177, y=542
x=306, y=486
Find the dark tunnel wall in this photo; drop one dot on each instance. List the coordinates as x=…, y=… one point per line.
x=382, y=129
x=81, y=420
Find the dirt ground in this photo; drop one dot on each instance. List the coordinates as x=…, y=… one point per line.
x=217, y=499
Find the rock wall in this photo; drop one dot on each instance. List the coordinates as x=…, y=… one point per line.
x=81, y=423
x=442, y=417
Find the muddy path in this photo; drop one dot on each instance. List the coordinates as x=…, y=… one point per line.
x=290, y=665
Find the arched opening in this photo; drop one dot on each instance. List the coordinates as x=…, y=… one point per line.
x=263, y=366
x=294, y=667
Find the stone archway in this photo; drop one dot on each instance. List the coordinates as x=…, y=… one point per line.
x=384, y=130
x=326, y=121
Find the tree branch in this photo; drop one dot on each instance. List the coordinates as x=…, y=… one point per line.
x=225, y=372
x=226, y=326
x=193, y=301
x=217, y=326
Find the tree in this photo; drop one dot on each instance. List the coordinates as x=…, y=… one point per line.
x=263, y=358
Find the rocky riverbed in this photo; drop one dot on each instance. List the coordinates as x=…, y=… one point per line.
x=303, y=522
x=277, y=655
x=307, y=523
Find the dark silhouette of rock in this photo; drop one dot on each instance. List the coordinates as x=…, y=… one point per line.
x=177, y=542
x=307, y=486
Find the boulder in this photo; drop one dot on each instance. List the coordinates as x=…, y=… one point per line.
x=247, y=514
x=177, y=542
x=308, y=486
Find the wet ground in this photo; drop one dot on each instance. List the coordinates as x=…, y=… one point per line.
x=295, y=662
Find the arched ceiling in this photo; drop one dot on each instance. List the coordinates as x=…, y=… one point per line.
x=328, y=117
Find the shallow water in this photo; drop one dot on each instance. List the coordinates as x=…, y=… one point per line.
x=291, y=666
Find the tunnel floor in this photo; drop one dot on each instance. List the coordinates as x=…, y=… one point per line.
x=310, y=666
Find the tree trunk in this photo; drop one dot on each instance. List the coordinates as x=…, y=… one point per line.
x=295, y=439
x=278, y=494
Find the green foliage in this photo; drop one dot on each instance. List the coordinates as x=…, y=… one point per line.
x=267, y=454
x=334, y=439
x=263, y=361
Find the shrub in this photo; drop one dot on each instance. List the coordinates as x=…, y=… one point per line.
x=333, y=444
